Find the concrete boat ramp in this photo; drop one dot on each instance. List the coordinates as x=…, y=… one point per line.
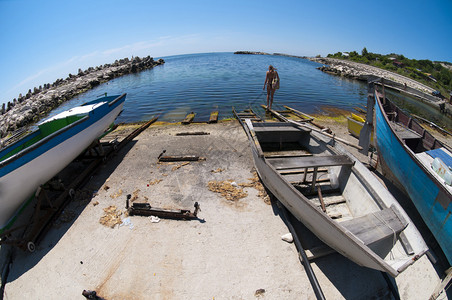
x=233, y=250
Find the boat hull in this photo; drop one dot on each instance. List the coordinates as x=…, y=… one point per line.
x=355, y=124
x=424, y=190
x=21, y=180
x=360, y=181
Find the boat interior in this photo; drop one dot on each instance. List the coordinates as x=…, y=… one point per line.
x=424, y=145
x=413, y=135
x=329, y=181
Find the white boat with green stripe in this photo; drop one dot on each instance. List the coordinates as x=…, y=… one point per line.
x=38, y=156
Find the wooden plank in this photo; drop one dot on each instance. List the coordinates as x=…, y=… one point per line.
x=189, y=118
x=310, y=162
x=307, y=118
x=180, y=158
x=335, y=215
x=298, y=178
x=253, y=136
x=192, y=133
x=287, y=155
x=299, y=171
x=330, y=200
x=213, y=117
x=375, y=226
x=319, y=251
x=299, y=113
x=442, y=285
x=405, y=133
x=279, y=129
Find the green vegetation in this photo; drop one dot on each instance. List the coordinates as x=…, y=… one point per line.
x=437, y=75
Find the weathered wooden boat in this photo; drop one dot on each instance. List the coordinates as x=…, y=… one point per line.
x=38, y=156
x=334, y=195
x=411, y=154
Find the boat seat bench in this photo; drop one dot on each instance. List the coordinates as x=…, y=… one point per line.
x=405, y=133
x=277, y=132
x=284, y=163
x=377, y=226
x=306, y=162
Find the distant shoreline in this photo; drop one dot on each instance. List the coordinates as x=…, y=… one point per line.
x=362, y=72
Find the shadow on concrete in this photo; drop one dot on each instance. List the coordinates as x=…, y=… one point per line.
x=436, y=255
x=404, y=200
x=23, y=260
x=346, y=276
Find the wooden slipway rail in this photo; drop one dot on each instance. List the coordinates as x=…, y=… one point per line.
x=48, y=210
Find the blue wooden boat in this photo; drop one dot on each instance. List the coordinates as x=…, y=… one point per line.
x=38, y=156
x=420, y=163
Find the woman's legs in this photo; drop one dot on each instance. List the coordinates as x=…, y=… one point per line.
x=269, y=90
x=271, y=100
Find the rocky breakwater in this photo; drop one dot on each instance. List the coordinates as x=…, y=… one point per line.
x=36, y=104
x=251, y=52
x=360, y=71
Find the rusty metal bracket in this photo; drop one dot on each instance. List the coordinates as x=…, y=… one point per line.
x=145, y=209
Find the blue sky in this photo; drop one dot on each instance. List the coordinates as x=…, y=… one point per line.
x=41, y=41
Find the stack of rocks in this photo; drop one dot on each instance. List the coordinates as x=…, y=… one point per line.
x=31, y=107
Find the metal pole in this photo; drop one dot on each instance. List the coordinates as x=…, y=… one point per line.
x=303, y=258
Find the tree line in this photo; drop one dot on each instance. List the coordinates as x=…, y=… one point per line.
x=437, y=75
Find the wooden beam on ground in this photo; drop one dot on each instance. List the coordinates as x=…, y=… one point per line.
x=213, y=117
x=299, y=113
x=189, y=118
x=307, y=118
x=192, y=133
x=180, y=158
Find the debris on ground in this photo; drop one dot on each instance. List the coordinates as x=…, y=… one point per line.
x=111, y=217
x=234, y=191
x=287, y=237
x=155, y=181
x=219, y=170
x=127, y=222
x=95, y=203
x=116, y=195
x=256, y=183
x=91, y=295
x=181, y=165
x=259, y=292
x=227, y=190
x=135, y=195
x=154, y=219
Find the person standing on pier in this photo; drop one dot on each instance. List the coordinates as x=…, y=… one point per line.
x=272, y=84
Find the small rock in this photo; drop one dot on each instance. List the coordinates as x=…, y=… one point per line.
x=287, y=237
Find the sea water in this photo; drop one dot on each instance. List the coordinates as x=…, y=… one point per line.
x=202, y=83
